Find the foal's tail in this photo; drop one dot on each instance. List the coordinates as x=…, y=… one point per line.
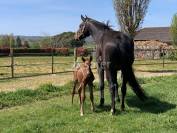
x=135, y=85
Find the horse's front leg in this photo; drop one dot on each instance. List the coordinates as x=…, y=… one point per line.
x=101, y=83
x=91, y=96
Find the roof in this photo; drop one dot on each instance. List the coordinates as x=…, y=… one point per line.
x=154, y=33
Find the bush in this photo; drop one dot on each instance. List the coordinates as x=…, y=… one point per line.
x=173, y=55
x=62, y=51
x=82, y=51
x=5, y=51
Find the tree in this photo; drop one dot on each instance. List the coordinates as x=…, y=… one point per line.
x=45, y=42
x=18, y=42
x=26, y=44
x=66, y=39
x=7, y=41
x=173, y=29
x=130, y=14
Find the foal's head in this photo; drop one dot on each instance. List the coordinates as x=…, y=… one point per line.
x=87, y=64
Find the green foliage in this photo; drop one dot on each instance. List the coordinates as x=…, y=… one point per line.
x=130, y=14
x=18, y=42
x=66, y=39
x=34, y=45
x=173, y=29
x=173, y=55
x=45, y=43
x=7, y=41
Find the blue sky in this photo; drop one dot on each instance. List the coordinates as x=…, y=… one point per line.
x=50, y=17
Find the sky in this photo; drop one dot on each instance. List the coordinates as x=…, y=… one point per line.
x=51, y=17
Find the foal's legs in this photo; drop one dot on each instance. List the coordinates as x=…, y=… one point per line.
x=101, y=83
x=91, y=96
x=82, y=99
x=74, y=88
x=123, y=88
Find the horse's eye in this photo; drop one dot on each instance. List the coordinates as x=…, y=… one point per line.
x=81, y=26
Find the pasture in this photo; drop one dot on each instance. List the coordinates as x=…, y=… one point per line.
x=48, y=109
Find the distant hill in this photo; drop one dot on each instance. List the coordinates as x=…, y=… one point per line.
x=28, y=38
x=32, y=38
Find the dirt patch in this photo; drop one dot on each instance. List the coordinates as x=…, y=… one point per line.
x=57, y=79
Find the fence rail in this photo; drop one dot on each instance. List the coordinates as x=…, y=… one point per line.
x=162, y=58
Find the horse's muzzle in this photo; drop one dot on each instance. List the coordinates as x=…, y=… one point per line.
x=76, y=37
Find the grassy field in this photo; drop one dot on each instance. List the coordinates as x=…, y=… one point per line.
x=66, y=64
x=49, y=109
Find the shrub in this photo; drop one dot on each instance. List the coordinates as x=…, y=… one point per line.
x=5, y=51
x=62, y=51
x=82, y=51
x=173, y=55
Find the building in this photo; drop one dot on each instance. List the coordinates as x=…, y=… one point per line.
x=152, y=39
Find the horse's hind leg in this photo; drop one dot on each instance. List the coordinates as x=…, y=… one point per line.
x=116, y=89
x=110, y=77
x=101, y=83
x=91, y=96
x=123, y=89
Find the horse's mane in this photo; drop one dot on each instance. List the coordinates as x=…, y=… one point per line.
x=100, y=24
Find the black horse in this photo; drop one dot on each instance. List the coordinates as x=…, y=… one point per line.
x=114, y=51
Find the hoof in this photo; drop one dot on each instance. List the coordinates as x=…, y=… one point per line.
x=101, y=102
x=93, y=109
x=118, y=100
x=81, y=114
x=122, y=108
x=113, y=111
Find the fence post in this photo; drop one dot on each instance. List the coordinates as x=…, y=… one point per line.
x=75, y=56
x=52, y=61
x=163, y=58
x=12, y=62
x=52, y=50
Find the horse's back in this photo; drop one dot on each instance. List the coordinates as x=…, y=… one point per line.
x=118, y=47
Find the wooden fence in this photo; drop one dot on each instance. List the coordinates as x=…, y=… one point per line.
x=163, y=57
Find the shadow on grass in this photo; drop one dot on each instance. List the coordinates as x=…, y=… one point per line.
x=152, y=105
x=106, y=108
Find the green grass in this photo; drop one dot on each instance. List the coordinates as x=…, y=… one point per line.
x=55, y=113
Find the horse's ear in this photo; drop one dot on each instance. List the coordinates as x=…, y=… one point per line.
x=83, y=19
x=91, y=58
x=83, y=59
x=86, y=17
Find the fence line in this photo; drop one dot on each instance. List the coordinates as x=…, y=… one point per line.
x=162, y=58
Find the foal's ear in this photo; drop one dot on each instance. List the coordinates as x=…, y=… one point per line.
x=91, y=58
x=83, y=19
x=83, y=59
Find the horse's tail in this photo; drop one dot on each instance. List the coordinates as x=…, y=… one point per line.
x=73, y=92
x=135, y=85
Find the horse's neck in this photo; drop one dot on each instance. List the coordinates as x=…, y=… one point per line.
x=96, y=33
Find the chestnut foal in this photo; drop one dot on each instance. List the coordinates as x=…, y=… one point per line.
x=83, y=76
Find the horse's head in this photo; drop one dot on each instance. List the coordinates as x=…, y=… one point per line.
x=87, y=64
x=83, y=30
